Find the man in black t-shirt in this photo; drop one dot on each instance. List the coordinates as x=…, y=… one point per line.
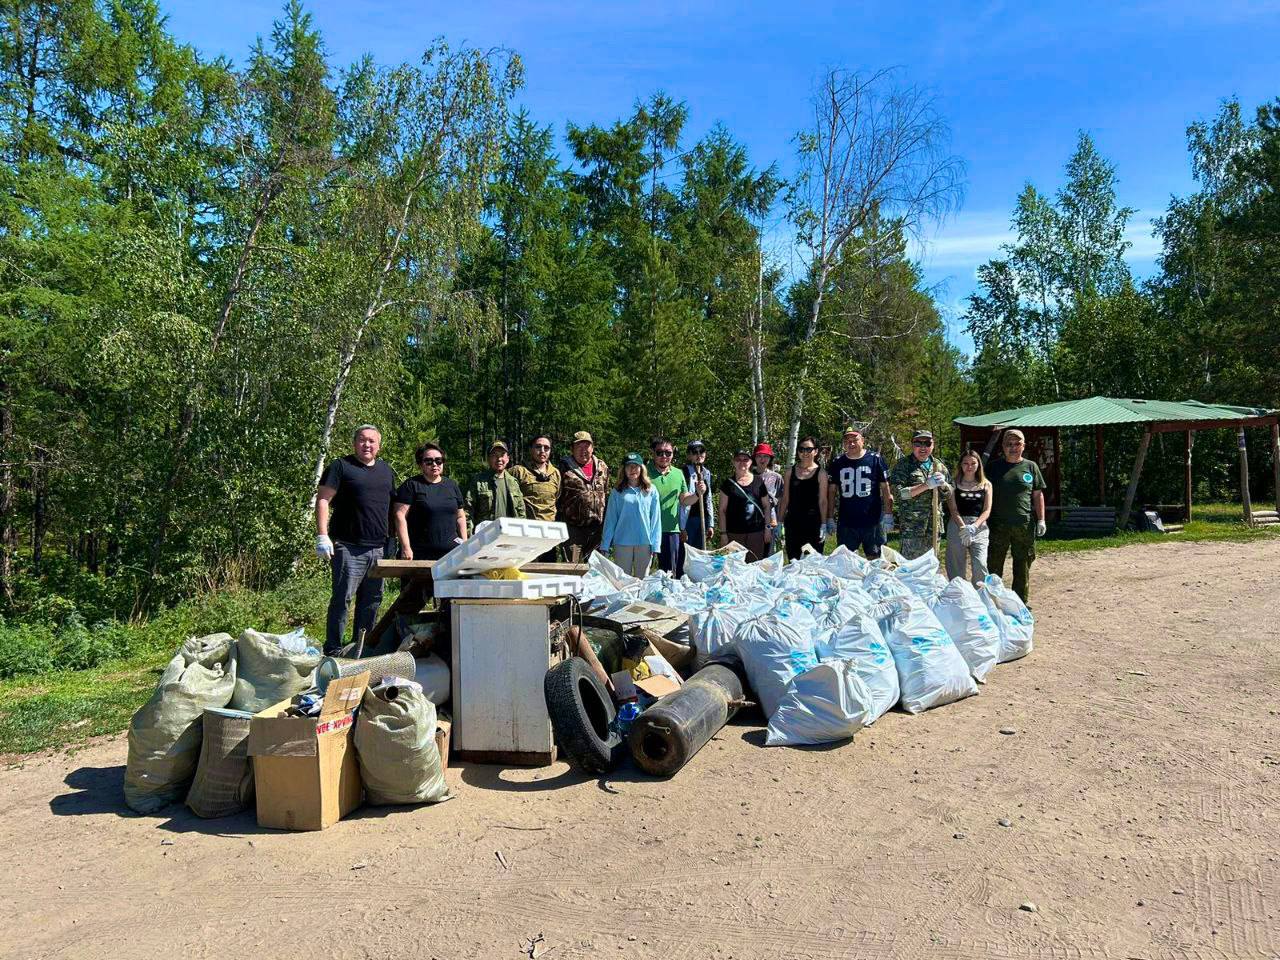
x=357, y=490
x=859, y=482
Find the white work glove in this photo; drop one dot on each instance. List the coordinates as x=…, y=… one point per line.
x=972, y=530
x=935, y=481
x=324, y=547
x=1040, y=528
x=886, y=522
x=828, y=528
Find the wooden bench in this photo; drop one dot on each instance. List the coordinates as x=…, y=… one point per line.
x=1096, y=521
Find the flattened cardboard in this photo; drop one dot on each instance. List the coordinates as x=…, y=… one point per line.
x=657, y=686
x=305, y=772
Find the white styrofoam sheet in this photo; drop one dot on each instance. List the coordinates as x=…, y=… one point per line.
x=496, y=544
x=536, y=587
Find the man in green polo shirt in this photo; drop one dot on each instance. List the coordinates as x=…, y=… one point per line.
x=670, y=484
x=1017, y=510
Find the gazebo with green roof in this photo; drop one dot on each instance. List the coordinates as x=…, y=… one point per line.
x=1156, y=416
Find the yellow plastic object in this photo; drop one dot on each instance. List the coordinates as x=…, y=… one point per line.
x=505, y=573
x=638, y=669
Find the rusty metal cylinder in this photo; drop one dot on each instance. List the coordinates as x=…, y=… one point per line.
x=667, y=735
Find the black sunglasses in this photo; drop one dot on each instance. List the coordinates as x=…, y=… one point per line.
x=663, y=453
x=434, y=460
x=922, y=443
x=806, y=449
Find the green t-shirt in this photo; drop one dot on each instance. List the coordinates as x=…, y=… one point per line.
x=669, y=486
x=1011, y=486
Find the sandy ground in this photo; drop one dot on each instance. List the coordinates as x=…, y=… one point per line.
x=1142, y=790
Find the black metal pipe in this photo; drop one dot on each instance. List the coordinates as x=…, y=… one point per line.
x=667, y=735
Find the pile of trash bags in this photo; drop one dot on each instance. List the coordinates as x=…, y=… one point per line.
x=830, y=643
x=188, y=742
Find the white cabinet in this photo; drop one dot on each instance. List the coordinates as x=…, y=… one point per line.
x=501, y=652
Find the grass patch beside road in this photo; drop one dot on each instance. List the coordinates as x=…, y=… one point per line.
x=1210, y=522
x=53, y=707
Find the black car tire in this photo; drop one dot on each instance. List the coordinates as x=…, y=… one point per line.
x=582, y=715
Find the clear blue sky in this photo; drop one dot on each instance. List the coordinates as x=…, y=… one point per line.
x=1016, y=81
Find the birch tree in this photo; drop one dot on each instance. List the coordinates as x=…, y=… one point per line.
x=876, y=148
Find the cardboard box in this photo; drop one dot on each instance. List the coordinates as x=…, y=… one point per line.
x=304, y=768
x=443, y=729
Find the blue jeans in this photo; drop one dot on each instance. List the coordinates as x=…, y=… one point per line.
x=351, y=566
x=671, y=554
x=868, y=538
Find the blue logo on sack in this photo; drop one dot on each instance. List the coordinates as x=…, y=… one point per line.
x=984, y=621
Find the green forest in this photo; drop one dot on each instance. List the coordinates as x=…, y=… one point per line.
x=211, y=271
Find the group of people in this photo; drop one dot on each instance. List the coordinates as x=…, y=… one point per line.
x=994, y=506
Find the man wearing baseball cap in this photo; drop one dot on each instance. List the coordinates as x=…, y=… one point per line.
x=494, y=492
x=584, y=491
x=762, y=466
x=914, y=479
x=858, y=494
x=697, y=517
x=1017, y=508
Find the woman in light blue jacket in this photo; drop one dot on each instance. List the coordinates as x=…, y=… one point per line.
x=632, y=522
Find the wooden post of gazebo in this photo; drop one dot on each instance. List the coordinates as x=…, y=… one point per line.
x=1275, y=460
x=1244, y=477
x=1102, y=469
x=1133, y=480
x=1187, y=481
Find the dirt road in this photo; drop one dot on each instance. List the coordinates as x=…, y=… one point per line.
x=1141, y=789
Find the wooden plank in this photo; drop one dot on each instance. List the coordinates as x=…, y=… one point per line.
x=384, y=569
x=1132, y=491
x=1177, y=426
x=1244, y=477
x=1101, y=463
x=1187, y=479
x=1275, y=459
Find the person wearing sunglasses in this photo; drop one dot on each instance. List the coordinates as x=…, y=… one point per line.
x=670, y=484
x=915, y=478
x=697, y=519
x=803, y=498
x=539, y=482
x=858, y=504
x=353, y=514
x=429, y=513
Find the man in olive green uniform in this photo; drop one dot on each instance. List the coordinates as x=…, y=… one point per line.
x=540, y=484
x=494, y=492
x=913, y=481
x=1017, y=510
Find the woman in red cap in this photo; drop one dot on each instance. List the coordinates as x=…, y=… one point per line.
x=763, y=466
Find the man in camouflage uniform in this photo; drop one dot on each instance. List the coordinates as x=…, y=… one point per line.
x=913, y=481
x=584, y=490
x=540, y=483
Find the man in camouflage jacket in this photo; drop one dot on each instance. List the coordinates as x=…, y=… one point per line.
x=584, y=490
x=913, y=481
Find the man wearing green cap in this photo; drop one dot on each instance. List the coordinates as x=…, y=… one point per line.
x=914, y=479
x=494, y=492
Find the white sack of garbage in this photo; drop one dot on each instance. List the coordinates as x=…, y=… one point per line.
x=931, y=671
x=1014, y=620
x=965, y=618
x=825, y=703
x=861, y=643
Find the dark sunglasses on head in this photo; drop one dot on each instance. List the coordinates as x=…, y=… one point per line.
x=432, y=460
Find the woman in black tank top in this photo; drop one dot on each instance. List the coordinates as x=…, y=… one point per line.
x=802, y=500
x=969, y=505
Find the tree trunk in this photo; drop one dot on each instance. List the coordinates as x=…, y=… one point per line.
x=8, y=534
x=39, y=512
x=797, y=397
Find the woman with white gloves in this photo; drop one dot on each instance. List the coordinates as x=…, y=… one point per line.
x=969, y=506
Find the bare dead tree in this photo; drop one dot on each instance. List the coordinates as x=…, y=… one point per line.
x=877, y=147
